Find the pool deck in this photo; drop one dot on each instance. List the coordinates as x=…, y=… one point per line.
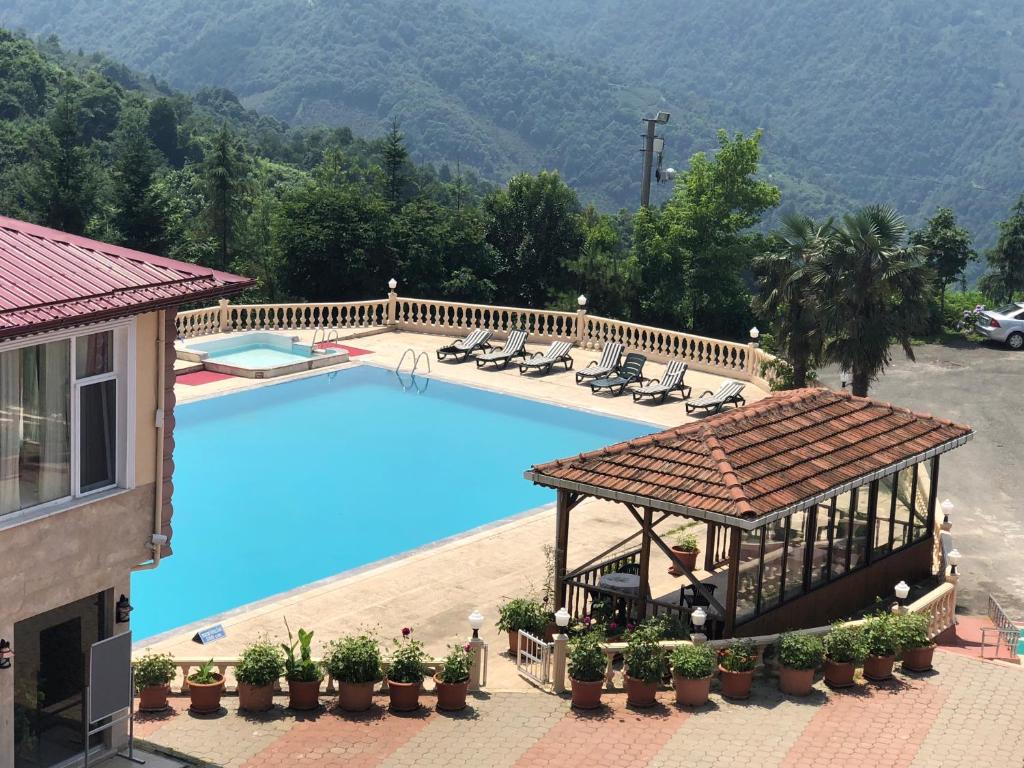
x=433, y=589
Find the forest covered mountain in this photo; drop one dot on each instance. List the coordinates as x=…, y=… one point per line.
x=917, y=103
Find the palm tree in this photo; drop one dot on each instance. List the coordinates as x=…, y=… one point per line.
x=786, y=298
x=873, y=288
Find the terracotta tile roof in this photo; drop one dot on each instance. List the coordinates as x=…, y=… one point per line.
x=769, y=457
x=50, y=279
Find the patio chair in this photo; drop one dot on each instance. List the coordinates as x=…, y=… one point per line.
x=631, y=371
x=633, y=568
x=691, y=598
x=478, y=340
x=558, y=352
x=729, y=392
x=663, y=387
x=515, y=346
x=609, y=363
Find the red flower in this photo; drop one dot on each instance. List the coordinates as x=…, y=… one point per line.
x=613, y=625
x=467, y=647
x=406, y=631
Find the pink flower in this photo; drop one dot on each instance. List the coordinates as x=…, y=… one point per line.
x=586, y=621
x=613, y=625
x=406, y=631
x=467, y=647
x=630, y=626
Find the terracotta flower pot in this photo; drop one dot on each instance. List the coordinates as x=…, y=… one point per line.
x=586, y=694
x=303, y=695
x=878, y=667
x=255, y=698
x=451, y=697
x=153, y=698
x=839, y=674
x=689, y=559
x=206, y=696
x=735, y=685
x=355, y=697
x=691, y=691
x=405, y=697
x=796, y=682
x=918, y=659
x=639, y=693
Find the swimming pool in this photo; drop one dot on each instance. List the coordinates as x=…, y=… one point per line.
x=258, y=354
x=280, y=486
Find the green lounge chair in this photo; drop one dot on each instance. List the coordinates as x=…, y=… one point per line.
x=630, y=372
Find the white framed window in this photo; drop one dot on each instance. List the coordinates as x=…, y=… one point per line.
x=66, y=402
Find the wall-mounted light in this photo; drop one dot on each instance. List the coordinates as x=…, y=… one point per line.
x=124, y=609
x=6, y=654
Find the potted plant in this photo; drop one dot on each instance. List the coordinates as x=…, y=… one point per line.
x=914, y=642
x=880, y=643
x=302, y=673
x=355, y=664
x=587, y=663
x=692, y=668
x=259, y=668
x=686, y=550
x=406, y=671
x=799, y=658
x=645, y=665
x=153, y=675
x=521, y=613
x=845, y=648
x=452, y=679
x=736, y=666
x=205, y=688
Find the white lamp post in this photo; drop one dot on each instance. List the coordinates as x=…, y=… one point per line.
x=476, y=621
x=698, y=617
x=947, y=510
x=902, y=589
x=392, y=284
x=954, y=558
x=582, y=301
x=754, y=335
x=562, y=618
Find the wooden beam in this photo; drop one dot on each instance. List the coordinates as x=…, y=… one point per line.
x=562, y=507
x=734, y=573
x=709, y=548
x=645, y=556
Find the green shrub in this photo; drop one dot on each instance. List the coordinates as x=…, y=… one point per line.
x=910, y=631
x=354, y=659
x=522, y=613
x=301, y=669
x=587, y=661
x=879, y=635
x=261, y=663
x=408, y=661
x=693, y=661
x=687, y=542
x=845, y=644
x=645, y=659
x=741, y=656
x=204, y=675
x=457, y=664
x=800, y=651
x=153, y=669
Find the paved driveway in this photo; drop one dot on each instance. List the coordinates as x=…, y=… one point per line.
x=978, y=385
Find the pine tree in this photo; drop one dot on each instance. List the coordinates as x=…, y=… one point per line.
x=395, y=159
x=1006, y=261
x=138, y=215
x=224, y=175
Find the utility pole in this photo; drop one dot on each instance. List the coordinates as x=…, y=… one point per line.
x=648, y=155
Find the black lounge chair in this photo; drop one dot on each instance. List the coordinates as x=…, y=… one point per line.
x=558, y=352
x=663, y=387
x=479, y=339
x=515, y=346
x=630, y=372
x=729, y=392
x=609, y=363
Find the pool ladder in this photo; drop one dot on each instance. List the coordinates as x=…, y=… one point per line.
x=327, y=339
x=416, y=358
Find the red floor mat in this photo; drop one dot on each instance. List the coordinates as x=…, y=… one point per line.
x=352, y=351
x=201, y=377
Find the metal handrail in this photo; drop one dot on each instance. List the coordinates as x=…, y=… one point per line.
x=416, y=357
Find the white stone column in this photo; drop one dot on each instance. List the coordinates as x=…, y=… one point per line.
x=559, y=656
x=225, y=316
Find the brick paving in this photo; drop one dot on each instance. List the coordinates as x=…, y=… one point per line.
x=964, y=712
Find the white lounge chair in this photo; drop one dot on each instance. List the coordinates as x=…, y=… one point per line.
x=663, y=387
x=558, y=352
x=729, y=392
x=609, y=363
x=478, y=340
x=515, y=346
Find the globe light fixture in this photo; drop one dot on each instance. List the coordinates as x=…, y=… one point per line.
x=954, y=558
x=844, y=379
x=582, y=301
x=562, y=618
x=902, y=590
x=947, y=509
x=698, y=617
x=476, y=621
x=754, y=333
x=392, y=283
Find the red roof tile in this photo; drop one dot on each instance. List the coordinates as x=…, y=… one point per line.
x=50, y=279
x=767, y=457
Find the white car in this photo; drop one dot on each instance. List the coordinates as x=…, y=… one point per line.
x=1005, y=324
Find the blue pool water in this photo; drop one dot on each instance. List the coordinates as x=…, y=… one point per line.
x=282, y=485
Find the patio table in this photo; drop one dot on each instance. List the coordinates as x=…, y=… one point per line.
x=621, y=582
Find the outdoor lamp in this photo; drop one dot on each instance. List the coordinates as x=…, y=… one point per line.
x=476, y=620
x=5, y=654
x=392, y=283
x=582, y=301
x=844, y=379
x=947, y=509
x=754, y=333
x=562, y=618
x=123, y=609
x=698, y=617
x=954, y=558
x=902, y=590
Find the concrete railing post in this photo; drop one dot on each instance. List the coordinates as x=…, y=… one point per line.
x=225, y=316
x=391, y=319
x=478, y=666
x=581, y=320
x=559, y=658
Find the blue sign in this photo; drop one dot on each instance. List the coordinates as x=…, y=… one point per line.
x=206, y=636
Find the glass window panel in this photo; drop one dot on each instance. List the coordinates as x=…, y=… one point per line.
x=35, y=386
x=771, y=573
x=97, y=435
x=746, y=581
x=94, y=354
x=841, y=526
x=902, y=519
x=796, y=547
x=861, y=524
x=883, y=517
x=921, y=498
x=819, y=547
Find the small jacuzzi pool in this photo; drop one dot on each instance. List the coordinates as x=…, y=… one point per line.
x=258, y=355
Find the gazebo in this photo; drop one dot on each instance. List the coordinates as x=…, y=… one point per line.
x=815, y=502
